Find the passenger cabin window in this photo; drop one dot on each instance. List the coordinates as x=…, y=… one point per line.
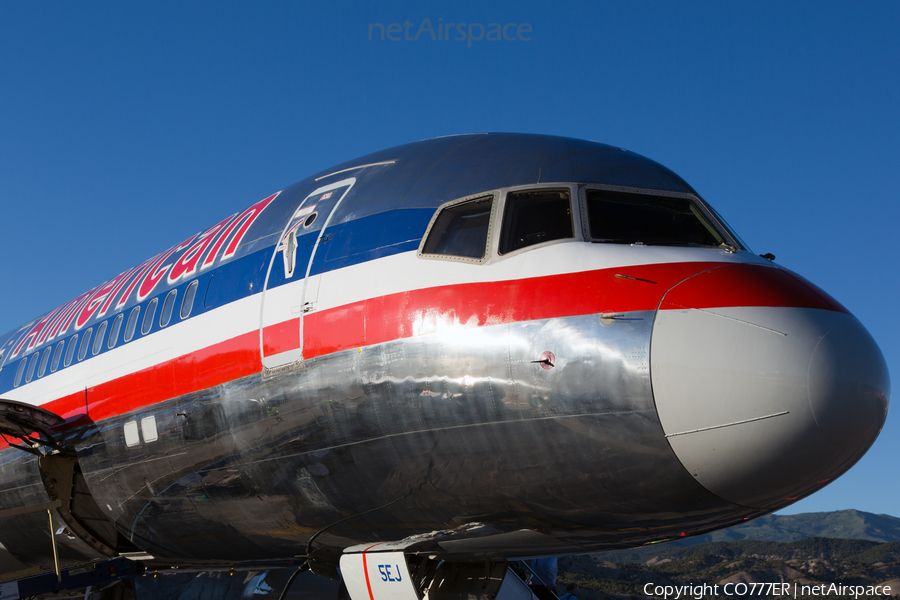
x=57, y=354
x=98, y=339
x=623, y=218
x=535, y=216
x=85, y=343
x=34, y=360
x=132, y=323
x=187, y=303
x=20, y=372
x=44, y=362
x=70, y=351
x=461, y=230
x=168, y=304
x=114, y=331
x=148, y=317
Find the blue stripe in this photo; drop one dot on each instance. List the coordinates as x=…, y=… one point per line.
x=347, y=244
x=375, y=236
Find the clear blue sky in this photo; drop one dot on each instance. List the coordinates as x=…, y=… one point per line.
x=127, y=126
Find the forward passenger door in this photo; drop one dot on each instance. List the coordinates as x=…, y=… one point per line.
x=290, y=291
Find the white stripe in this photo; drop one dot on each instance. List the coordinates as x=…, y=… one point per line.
x=405, y=272
x=176, y=340
x=380, y=277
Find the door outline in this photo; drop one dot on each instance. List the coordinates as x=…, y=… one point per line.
x=284, y=245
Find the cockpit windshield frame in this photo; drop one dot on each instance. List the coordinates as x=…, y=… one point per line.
x=730, y=242
x=437, y=249
x=574, y=205
x=449, y=217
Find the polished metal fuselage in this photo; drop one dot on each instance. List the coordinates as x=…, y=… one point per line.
x=464, y=427
x=406, y=437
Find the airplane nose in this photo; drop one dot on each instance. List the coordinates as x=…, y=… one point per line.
x=848, y=385
x=766, y=387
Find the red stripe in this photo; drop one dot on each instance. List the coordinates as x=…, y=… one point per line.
x=420, y=312
x=205, y=368
x=748, y=285
x=366, y=569
x=425, y=311
x=281, y=337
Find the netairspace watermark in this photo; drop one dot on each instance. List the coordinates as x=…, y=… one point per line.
x=785, y=588
x=445, y=32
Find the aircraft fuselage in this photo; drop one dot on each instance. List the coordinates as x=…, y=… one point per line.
x=549, y=346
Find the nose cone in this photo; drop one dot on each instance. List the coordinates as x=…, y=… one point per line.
x=848, y=385
x=767, y=389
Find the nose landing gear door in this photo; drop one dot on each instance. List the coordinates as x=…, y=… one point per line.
x=290, y=291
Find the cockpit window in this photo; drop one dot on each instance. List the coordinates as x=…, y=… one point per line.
x=461, y=230
x=623, y=218
x=535, y=216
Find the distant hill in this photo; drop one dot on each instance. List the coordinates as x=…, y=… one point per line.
x=846, y=546
x=843, y=524
x=809, y=562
